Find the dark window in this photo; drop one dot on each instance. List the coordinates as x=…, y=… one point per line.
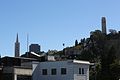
x=53, y=71
x=82, y=70
x=63, y=71
x=79, y=70
x=44, y=71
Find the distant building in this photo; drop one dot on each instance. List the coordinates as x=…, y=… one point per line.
x=40, y=57
x=52, y=52
x=17, y=47
x=71, y=52
x=103, y=22
x=61, y=70
x=34, y=48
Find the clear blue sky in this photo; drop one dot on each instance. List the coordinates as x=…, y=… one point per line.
x=51, y=23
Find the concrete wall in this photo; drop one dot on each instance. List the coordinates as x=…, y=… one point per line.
x=23, y=71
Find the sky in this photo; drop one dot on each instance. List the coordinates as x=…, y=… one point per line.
x=51, y=23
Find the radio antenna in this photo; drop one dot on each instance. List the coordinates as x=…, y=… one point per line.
x=27, y=41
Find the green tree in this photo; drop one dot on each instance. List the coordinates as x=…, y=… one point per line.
x=76, y=42
x=107, y=59
x=115, y=70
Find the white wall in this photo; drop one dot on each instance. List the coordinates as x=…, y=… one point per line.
x=72, y=71
x=78, y=76
x=34, y=65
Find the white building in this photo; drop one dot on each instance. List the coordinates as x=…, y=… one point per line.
x=61, y=70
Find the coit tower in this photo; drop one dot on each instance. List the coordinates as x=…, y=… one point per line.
x=17, y=47
x=103, y=22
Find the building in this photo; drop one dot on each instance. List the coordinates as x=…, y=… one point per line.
x=16, y=68
x=17, y=47
x=34, y=48
x=72, y=52
x=61, y=70
x=41, y=57
x=103, y=22
x=17, y=73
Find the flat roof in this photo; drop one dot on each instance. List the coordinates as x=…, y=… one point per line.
x=81, y=62
x=19, y=58
x=73, y=61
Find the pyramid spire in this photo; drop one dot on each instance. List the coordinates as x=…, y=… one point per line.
x=17, y=38
x=17, y=47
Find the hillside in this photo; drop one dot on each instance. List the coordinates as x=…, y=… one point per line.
x=101, y=49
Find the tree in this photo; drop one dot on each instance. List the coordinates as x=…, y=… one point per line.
x=76, y=42
x=115, y=70
x=107, y=59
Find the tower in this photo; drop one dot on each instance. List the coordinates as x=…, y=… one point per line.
x=17, y=47
x=103, y=22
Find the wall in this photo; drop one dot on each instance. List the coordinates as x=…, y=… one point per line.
x=72, y=71
x=78, y=76
x=11, y=73
x=48, y=65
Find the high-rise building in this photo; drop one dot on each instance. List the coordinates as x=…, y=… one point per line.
x=17, y=47
x=103, y=22
x=34, y=48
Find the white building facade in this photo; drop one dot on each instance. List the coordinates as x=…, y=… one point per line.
x=61, y=70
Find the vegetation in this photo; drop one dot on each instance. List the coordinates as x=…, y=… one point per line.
x=101, y=50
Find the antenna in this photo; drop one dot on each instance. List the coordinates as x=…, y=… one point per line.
x=27, y=41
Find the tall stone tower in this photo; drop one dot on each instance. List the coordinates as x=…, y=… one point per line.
x=103, y=22
x=17, y=47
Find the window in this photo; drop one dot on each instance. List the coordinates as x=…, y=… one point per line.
x=44, y=71
x=53, y=71
x=81, y=71
x=63, y=71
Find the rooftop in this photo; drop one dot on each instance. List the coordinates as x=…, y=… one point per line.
x=73, y=61
x=81, y=62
